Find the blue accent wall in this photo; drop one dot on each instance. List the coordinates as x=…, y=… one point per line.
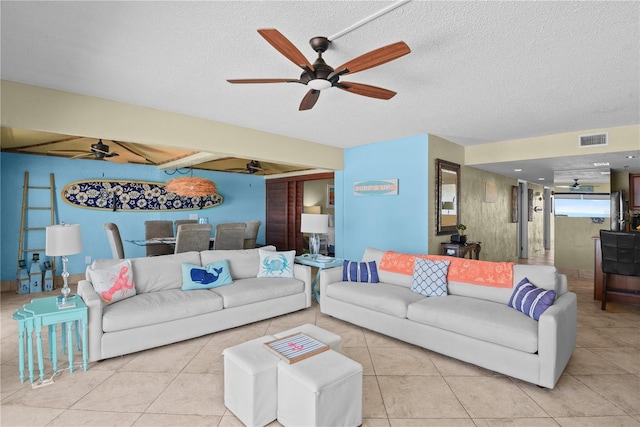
x=244, y=199
x=396, y=223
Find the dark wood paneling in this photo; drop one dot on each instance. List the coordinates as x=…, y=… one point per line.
x=284, y=210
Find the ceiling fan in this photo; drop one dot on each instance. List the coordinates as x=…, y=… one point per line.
x=320, y=76
x=252, y=167
x=99, y=150
x=574, y=185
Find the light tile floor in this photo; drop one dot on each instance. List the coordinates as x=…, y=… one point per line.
x=404, y=386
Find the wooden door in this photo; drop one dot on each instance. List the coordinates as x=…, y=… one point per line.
x=284, y=210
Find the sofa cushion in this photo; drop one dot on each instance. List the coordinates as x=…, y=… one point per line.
x=430, y=277
x=276, y=264
x=527, y=298
x=544, y=276
x=252, y=290
x=159, y=273
x=158, y=307
x=484, y=320
x=207, y=277
x=243, y=263
x=113, y=283
x=388, y=299
x=353, y=271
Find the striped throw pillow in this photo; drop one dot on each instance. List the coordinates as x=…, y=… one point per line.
x=530, y=299
x=359, y=272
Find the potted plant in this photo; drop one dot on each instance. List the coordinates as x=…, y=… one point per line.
x=460, y=237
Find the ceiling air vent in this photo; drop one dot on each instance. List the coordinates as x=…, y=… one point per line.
x=593, y=140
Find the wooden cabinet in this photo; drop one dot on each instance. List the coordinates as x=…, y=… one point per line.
x=634, y=191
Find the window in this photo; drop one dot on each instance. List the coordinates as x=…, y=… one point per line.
x=594, y=205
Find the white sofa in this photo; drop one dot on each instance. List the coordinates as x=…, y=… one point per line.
x=472, y=323
x=162, y=313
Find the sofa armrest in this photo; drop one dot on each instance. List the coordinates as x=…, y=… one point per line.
x=303, y=272
x=94, y=327
x=557, y=330
x=327, y=276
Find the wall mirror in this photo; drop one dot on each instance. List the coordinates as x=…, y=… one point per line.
x=447, y=197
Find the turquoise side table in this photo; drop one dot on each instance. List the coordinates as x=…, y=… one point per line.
x=25, y=324
x=45, y=312
x=321, y=262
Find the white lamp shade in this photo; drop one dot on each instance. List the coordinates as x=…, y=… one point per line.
x=315, y=223
x=63, y=239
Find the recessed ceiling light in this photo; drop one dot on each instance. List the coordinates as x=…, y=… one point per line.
x=605, y=173
x=631, y=157
x=601, y=164
x=517, y=170
x=540, y=179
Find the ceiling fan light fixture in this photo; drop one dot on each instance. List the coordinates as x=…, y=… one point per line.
x=191, y=187
x=319, y=84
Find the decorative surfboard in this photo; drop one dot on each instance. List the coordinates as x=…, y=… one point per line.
x=132, y=196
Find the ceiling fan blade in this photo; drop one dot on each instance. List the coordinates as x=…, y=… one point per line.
x=309, y=100
x=285, y=47
x=374, y=58
x=68, y=152
x=263, y=80
x=77, y=156
x=366, y=90
x=116, y=159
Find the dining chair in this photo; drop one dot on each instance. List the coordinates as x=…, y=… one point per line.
x=179, y=222
x=115, y=241
x=193, y=237
x=251, y=234
x=230, y=235
x=620, y=255
x=153, y=229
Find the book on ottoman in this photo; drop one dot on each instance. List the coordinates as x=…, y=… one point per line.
x=297, y=347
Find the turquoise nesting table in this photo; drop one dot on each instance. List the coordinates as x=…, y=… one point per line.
x=45, y=312
x=320, y=262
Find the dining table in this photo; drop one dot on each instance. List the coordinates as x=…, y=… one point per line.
x=163, y=241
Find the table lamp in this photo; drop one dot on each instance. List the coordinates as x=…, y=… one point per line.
x=62, y=240
x=314, y=224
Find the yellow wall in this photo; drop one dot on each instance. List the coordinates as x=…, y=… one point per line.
x=46, y=110
x=574, y=254
x=623, y=138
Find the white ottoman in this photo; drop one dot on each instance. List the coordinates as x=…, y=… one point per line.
x=323, y=390
x=329, y=338
x=251, y=382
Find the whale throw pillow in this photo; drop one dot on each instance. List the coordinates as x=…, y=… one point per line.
x=208, y=277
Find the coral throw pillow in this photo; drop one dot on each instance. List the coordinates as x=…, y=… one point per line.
x=276, y=264
x=113, y=283
x=530, y=299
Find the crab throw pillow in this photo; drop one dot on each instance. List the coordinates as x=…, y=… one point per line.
x=276, y=264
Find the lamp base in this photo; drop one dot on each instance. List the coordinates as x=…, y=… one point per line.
x=314, y=245
x=68, y=302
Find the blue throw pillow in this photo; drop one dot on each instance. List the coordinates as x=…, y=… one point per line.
x=359, y=272
x=530, y=299
x=207, y=277
x=430, y=277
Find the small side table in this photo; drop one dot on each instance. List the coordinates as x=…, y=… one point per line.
x=45, y=312
x=320, y=263
x=461, y=249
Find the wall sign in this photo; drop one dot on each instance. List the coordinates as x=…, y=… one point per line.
x=383, y=187
x=117, y=195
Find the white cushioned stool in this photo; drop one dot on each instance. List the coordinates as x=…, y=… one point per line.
x=251, y=382
x=323, y=390
x=329, y=338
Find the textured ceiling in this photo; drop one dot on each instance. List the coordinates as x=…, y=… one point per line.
x=478, y=71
